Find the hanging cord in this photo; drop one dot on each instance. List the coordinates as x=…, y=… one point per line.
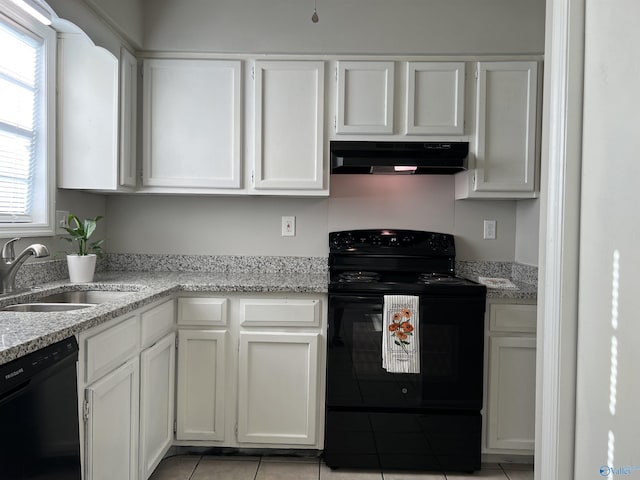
x=314, y=17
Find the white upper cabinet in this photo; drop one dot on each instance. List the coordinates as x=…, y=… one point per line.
x=288, y=111
x=435, y=98
x=192, y=124
x=506, y=132
x=88, y=117
x=365, y=97
x=128, y=118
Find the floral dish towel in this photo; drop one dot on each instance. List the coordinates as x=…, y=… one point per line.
x=400, y=334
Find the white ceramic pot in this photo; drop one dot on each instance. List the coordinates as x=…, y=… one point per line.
x=81, y=267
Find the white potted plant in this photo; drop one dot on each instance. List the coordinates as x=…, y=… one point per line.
x=82, y=264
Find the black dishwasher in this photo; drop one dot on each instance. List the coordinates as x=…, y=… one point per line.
x=39, y=415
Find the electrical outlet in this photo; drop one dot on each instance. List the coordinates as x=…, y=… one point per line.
x=61, y=221
x=288, y=226
x=489, y=230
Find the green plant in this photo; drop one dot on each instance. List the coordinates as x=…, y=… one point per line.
x=80, y=231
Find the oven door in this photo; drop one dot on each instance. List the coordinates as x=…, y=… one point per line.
x=451, y=355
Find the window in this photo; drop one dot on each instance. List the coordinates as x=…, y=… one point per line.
x=27, y=50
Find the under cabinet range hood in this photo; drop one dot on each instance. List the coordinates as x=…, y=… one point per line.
x=398, y=158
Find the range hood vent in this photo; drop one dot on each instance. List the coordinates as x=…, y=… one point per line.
x=399, y=158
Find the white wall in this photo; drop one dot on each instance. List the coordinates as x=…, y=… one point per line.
x=527, y=230
x=125, y=15
x=354, y=26
x=251, y=225
x=215, y=225
x=79, y=203
x=469, y=229
x=608, y=391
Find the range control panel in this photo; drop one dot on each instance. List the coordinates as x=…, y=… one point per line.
x=389, y=241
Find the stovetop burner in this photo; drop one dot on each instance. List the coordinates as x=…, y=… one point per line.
x=395, y=262
x=358, y=276
x=440, y=279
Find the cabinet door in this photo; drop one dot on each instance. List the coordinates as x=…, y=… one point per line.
x=111, y=436
x=209, y=311
x=277, y=397
x=512, y=393
x=365, y=97
x=107, y=347
x=157, y=377
x=191, y=124
x=87, y=114
x=201, y=377
x=435, y=98
x=289, y=132
x=128, y=117
x=513, y=317
x=280, y=312
x=506, y=126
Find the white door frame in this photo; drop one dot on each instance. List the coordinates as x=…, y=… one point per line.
x=559, y=241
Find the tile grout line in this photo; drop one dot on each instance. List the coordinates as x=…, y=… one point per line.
x=506, y=475
x=190, y=476
x=255, y=477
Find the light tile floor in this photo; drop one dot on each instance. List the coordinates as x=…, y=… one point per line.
x=208, y=467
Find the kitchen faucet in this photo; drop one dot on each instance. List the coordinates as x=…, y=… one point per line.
x=10, y=264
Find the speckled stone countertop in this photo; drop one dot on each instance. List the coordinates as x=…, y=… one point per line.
x=22, y=333
x=522, y=292
x=25, y=332
x=524, y=277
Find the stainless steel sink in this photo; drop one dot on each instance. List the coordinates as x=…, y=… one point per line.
x=66, y=301
x=45, y=307
x=84, y=296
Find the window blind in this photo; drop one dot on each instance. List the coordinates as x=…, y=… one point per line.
x=20, y=88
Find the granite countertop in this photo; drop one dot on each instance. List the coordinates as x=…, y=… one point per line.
x=523, y=277
x=522, y=292
x=25, y=332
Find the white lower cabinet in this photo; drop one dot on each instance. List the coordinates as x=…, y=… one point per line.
x=251, y=370
x=512, y=393
x=509, y=415
x=201, y=380
x=126, y=390
x=157, y=380
x=112, y=425
x=277, y=382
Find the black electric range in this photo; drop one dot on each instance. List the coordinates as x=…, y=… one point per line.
x=429, y=420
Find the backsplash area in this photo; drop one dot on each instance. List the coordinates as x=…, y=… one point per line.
x=213, y=263
x=37, y=273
